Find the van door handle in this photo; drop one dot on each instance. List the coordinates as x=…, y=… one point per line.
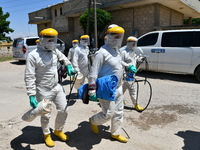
x=158, y=50
x=155, y=50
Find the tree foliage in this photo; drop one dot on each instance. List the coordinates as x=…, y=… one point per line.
x=103, y=19
x=194, y=21
x=4, y=26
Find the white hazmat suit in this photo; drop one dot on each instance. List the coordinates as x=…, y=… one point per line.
x=129, y=50
x=107, y=61
x=80, y=60
x=41, y=78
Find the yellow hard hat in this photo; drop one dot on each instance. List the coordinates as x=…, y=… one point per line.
x=85, y=37
x=49, y=32
x=131, y=39
x=115, y=30
x=37, y=41
x=74, y=41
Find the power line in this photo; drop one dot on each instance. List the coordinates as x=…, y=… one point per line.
x=26, y=9
x=7, y=2
x=23, y=4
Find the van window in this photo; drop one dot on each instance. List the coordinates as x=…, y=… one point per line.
x=18, y=43
x=177, y=39
x=148, y=40
x=197, y=39
x=31, y=42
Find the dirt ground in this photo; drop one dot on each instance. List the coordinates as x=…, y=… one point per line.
x=171, y=121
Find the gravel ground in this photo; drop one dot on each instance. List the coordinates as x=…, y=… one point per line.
x=170, y=122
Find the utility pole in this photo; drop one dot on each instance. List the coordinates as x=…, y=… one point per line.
x=88, y=18
x=95, y=25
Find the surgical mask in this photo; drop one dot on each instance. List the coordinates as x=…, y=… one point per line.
x=131, y=45
x=84, y=42
x=115, y=40
x=75, y=44
x=48, y=43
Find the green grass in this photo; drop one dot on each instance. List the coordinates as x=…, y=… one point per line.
x=5, y=58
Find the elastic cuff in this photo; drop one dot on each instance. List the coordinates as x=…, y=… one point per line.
x=92, y=87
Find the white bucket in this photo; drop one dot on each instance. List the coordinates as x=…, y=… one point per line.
x=79, y=81
x=43, y=107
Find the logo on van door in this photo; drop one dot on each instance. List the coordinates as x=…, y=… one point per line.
x=158, y=50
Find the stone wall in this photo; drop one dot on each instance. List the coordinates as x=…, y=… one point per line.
x=5, y=52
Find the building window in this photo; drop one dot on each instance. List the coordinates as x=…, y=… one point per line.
x=60, y=10
x=55, y=12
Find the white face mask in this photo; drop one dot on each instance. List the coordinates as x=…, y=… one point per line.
x=131, y=45
x=74, y=44
x=115, y=41
x=84, y=42
x=48, y=43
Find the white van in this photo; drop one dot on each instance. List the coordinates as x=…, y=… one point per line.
x=174, y=51
x=22, y=46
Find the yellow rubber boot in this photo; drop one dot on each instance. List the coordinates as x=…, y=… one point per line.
x=138, y=107
x=61, y=135
x=94, y=128
x=48, y=141
x=124, y=102
x=120, y=138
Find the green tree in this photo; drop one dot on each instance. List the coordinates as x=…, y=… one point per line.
x=103, y=19
x=194, y=21
x=4, y=26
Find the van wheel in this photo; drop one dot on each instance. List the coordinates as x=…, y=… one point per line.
x=197, y=73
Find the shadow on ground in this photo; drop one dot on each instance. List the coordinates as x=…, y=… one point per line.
x=30, y=135
x=81, y=138
x=18, y=62
x=191, y=139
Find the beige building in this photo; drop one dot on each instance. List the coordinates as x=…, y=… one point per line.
x=137, y=17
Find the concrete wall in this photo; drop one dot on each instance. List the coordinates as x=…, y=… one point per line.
x=193, y=4
x=169, y=17
x=144, y=19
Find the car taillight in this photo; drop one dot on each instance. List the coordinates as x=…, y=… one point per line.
x=24, y=49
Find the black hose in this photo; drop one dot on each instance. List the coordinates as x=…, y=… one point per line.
x=72, y=85
x=145, y=81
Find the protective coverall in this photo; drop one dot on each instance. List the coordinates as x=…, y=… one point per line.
x=80, y=60
x=108, y=61
x=129, y=50
x=71, y=50
x=41, y=78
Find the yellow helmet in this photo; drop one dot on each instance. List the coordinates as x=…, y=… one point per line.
x=74, y=41
x=131, y=39
x=84, y=37
x=37, y=41
x=116, y=30
x=49, y=32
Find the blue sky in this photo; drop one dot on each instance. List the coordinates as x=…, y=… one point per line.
x=18, y=10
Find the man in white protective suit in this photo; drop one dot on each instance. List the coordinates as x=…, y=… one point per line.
x=41, y=78
x=71, y=50
x=71, y=53
x=80, y=60
x=107, y=62
x=129, y=80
